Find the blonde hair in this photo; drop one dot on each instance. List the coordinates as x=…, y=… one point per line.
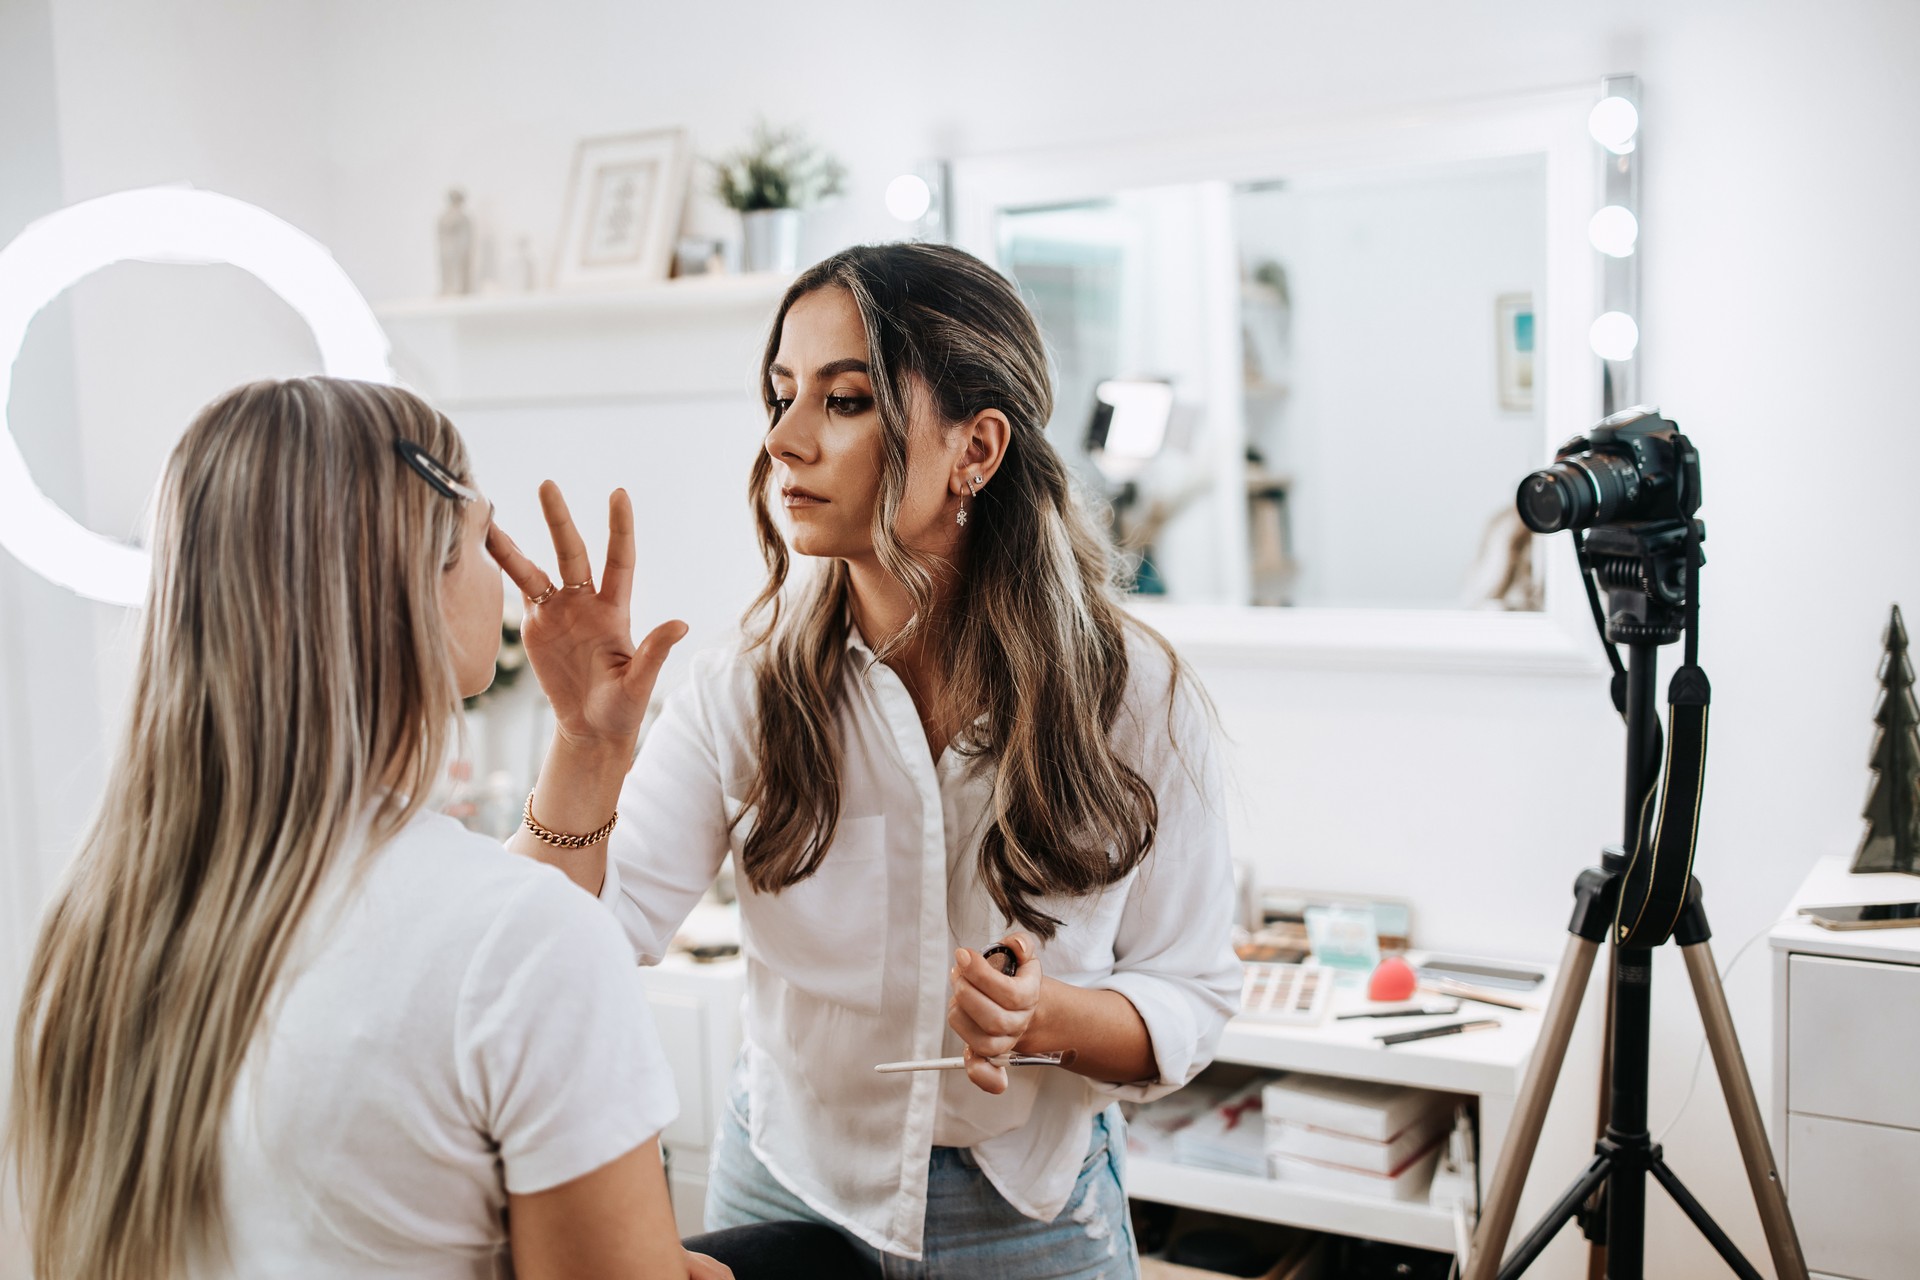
x=1035, y=639
x=292, y=702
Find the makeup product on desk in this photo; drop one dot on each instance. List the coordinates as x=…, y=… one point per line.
x=1417, y=1011
x=1300, y=994
x=1461, y=991
x=1429, y=1033
x=1484, y=973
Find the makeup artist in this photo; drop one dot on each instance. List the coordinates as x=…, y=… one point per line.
x=944, y=733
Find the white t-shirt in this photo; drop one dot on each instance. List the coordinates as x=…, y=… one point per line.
x=460, y=1023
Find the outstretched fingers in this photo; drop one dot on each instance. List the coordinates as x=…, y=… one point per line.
x=616, y=585
x=529, y=577
x=575, y=567
x=652, y=652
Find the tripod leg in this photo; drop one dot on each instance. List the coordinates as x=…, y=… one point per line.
x=1768, y=1196
x=1536, y=1091
x=1597, y=1238
x=1697, y=1214
x=1564, y=1210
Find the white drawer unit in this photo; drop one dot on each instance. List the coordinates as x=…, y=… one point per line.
x=696, y=1009
x=1846, y=1092
x=1853, y=1189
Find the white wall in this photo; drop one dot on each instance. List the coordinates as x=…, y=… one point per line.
x=1778, y=260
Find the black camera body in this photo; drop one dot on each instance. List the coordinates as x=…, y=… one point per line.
x=1633, y=468
x=1633, y=485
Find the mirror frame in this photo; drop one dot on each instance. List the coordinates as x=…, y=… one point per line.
x=1557, y=640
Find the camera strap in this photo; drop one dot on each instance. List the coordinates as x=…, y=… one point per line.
x=1654, y=891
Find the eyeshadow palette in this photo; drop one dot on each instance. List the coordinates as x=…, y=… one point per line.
x=1300, y=994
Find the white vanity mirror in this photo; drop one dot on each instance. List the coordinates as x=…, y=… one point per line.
x=1308, y=367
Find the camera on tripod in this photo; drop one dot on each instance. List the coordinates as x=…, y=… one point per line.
x=1633, y=484
x=1628, y=491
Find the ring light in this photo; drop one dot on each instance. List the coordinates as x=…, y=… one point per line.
x=168, y=225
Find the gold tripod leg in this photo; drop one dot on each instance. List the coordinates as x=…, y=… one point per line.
x=1530, y=1111
x=1768, y=1196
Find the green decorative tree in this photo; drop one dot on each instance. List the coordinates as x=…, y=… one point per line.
x=1892, y=839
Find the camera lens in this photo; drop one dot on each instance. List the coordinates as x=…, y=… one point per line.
x=1578, y=493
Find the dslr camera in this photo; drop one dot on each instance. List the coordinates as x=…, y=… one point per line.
x=1634, y=481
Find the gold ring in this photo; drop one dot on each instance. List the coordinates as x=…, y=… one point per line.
x=580, y=586
x=544, y=596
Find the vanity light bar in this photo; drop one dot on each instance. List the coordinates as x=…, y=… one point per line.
x=1615, y=234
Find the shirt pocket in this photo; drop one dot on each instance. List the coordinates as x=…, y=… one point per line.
x=825, y=936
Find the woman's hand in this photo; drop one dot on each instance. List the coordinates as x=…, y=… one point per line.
x=579, y=639
x=991, y=1011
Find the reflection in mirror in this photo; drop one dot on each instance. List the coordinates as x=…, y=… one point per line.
x=1310, y=391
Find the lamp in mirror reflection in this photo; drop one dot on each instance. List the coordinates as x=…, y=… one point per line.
x=1129, y=427
x=176, y=225
x=1614, y=336
x=1614, y=124
x=1613, y=231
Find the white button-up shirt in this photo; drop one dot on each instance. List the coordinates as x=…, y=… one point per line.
x=848, y=968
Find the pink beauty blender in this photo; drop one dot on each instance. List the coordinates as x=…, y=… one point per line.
x=1393, y=980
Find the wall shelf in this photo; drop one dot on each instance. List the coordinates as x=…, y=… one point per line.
x=691, y=295
x=680, y=339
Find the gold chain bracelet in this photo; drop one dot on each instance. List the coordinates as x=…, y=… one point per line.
x=562, y=841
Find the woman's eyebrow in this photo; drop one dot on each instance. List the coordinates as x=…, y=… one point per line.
x=832, y=369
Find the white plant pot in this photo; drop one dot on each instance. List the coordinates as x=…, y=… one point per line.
x=772, y=240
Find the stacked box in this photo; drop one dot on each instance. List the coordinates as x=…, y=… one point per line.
x=1354, y=1137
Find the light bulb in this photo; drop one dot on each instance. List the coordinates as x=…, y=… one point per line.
x=909, y=197
x=1613, y=123
x=1614, y=336
x=1614, y=230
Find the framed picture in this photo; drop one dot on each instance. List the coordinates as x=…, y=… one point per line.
x=1514, y=333
x=623, y=209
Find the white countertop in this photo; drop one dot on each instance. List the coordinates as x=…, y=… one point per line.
x=1485, y=1062
x=1830, y=883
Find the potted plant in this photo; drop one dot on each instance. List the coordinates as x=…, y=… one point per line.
x=768, y=182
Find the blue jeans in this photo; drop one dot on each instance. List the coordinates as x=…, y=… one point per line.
x=972, y=1233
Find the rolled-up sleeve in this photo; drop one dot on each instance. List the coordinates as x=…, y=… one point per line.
x=672, y=834
x=1173, y=954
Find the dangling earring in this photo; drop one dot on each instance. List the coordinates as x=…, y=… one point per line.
x=960, y=517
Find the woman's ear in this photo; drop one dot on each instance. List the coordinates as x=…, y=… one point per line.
x=983, y=447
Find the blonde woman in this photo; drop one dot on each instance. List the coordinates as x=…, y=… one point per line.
x=282, y=1020
x=948, y=735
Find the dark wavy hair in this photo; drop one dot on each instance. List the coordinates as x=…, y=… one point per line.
x=1036, y=638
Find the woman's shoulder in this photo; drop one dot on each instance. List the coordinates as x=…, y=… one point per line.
x=466, y=886
x=1164, y=703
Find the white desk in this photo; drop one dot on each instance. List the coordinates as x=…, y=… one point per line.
x=1846, y=1098
x=697, y=1008
x=1486, y=1065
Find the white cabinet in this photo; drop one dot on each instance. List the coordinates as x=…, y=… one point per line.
x=696, y=1008
x=1846, y=1095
